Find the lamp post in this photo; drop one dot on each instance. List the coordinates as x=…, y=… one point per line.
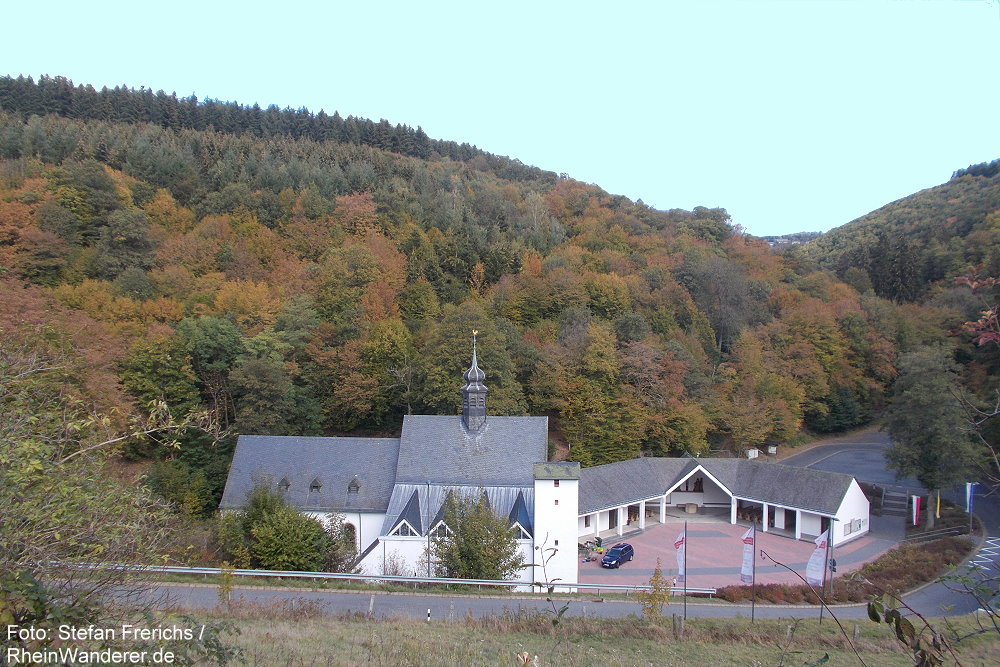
x=827, y=581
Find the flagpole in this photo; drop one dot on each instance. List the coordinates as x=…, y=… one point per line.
x=822, y=586
x=753, y=578
x=970, y=490
x=826, y=564
x=685, y=570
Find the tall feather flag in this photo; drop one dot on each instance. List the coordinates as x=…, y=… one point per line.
x=746, y=572
x=916, y=510
x=816, y=566
x=680, y=544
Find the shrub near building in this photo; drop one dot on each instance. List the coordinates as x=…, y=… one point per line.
x=269, y=534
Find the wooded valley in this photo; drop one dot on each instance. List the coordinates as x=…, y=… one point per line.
x=299, y=273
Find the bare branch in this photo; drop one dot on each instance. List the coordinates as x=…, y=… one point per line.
x=843, y=631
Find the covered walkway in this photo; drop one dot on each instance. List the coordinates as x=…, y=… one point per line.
x=698, y=497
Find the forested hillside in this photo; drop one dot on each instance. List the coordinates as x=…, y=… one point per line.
x=904, y=248
x=296, y=273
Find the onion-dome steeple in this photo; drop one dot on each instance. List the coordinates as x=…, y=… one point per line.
x=474, y=394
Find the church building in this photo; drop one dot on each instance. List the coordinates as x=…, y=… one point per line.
x=391, y=491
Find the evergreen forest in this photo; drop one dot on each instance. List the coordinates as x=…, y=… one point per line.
x=298, y=273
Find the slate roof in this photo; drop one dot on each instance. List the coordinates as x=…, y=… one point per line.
x=620, y=483
x=334, y=462
x=440, y=450
x=624, y=482
x=519, y=514
x=791, y=486
x=411, y=514
x=417, y=503
x=557, y=470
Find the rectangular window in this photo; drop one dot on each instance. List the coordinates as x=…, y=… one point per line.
x=586, y=521
x=555, y=482
x=557, y=501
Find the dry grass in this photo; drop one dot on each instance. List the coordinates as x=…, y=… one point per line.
x=301, y=638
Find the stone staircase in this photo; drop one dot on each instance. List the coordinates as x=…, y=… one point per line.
x=895, y=503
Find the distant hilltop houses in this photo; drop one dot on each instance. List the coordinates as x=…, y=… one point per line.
x=791, y=239
x=391, y=492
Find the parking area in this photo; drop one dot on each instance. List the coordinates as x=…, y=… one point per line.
x=715, y=553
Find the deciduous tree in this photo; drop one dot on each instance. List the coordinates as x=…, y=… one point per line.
x=479, y=544
x=925, y=420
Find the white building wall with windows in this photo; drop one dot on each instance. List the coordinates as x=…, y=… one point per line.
x=852, y=516
x=557, y=502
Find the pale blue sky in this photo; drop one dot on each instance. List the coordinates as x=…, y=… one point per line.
x=793, y=115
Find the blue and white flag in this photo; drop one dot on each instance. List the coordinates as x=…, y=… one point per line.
x=968, y=496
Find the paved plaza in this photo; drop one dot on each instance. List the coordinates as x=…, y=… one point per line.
x=715, y=553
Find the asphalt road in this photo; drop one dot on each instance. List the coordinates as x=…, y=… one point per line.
x=859, y=455
x=388, y=605
x=862, y=455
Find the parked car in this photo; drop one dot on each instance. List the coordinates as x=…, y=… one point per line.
x=618, y=554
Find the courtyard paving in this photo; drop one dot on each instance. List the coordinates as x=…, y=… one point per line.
x=715, y=554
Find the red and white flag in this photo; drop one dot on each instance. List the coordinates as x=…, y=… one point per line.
x=680, y=544
x=746, y=572
x=916, y=510
x=817, y=562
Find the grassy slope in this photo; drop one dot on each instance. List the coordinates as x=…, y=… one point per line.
x=602, y=642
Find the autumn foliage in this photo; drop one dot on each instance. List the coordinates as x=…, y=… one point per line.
x=315, y=285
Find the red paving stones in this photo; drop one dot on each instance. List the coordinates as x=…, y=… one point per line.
x=715, y=553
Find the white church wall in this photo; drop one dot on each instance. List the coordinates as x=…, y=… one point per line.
x=397, y=555
x=556, y=529
x=367, y=525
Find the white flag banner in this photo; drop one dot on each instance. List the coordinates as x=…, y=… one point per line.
x=746, y=572
x=817, y=562
x=680, y=544
x=968, y=496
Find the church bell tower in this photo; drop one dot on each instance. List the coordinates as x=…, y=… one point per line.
x=474, y=394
